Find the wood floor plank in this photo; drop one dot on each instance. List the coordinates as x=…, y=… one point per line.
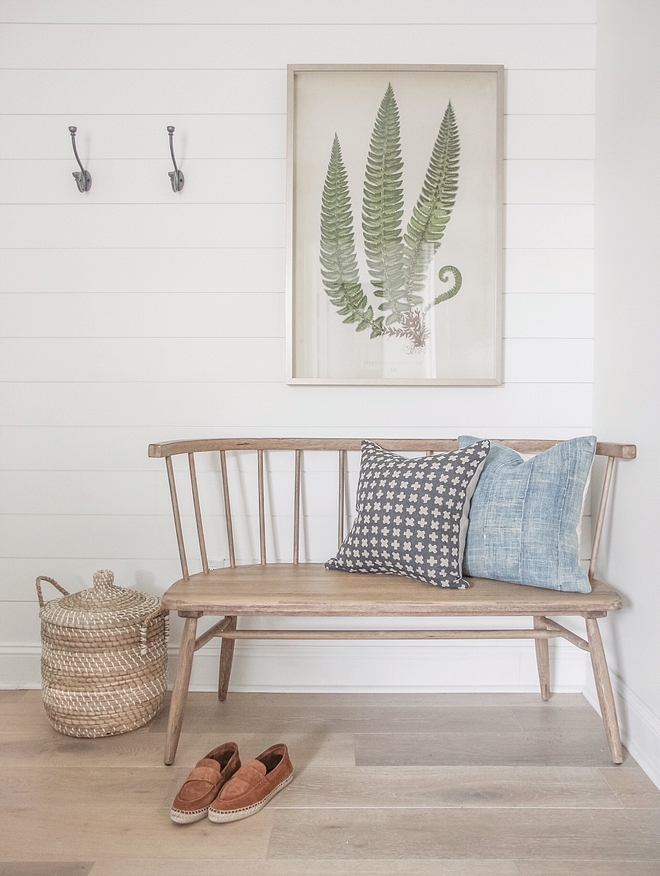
x=641, y=800
x=627, y=781
x=447, y=787
x=25, y=713
x=11, y=696
x=246, y=703
x=88, y=832
x=579, y=749
x=587, y=868
x=45, y=788
x=45, y=868
x=633, y=788
x=303, y=867
x=537, y=718
x=146, y=750
x=348, y=718
x=504, y=834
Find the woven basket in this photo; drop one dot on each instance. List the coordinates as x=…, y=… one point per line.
x=103, y=658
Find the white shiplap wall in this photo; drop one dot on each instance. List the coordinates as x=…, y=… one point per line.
x=131, y=314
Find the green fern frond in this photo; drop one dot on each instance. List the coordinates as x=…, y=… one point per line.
x=382, y=205
x=443, y=276
x=433, y=208
x=339, y=268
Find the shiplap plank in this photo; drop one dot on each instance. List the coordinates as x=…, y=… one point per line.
x=68, y=492
x=141, y=492
x=542, y=271
x=301, y=11
x=250, y=181
x=565, y=92
x=191, y=360
x=88, y=536
x=551, y=226
x=131, y=536
x=177, y=224
x=246, y=360
x=160, y=315
x=548, y=316
x=89, y=46
x=203, y=315
x=209, y=181
x=145, y=270
x=549, y=182
x=559, y=360
x=235, y=271
x=64, y=494
x=154, y=575
x=173, y=405
x=19, y=621
x=151, y=575
x=99, y=225
x=549, y=137
x=143, y=137
x=116, y=448
x=143, y=92
x=242, y=136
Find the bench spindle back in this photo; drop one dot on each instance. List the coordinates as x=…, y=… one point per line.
x=341, y=446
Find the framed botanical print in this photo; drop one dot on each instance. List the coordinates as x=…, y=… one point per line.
x=394, y=245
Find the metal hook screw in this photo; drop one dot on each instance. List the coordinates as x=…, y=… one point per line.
x=176, y=177
x=82, y=177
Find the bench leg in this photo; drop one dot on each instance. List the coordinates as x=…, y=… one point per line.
x=180, y=691
x=226, y=659
x=542, y=659
x=604, y=689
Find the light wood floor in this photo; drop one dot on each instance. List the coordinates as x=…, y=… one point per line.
x=386, y=785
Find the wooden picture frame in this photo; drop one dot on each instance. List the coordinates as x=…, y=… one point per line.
x=394, y=224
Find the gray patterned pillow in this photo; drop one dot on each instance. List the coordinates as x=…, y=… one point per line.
x=412, y=514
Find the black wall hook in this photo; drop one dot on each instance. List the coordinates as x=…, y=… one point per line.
x=82, y=177
x=176, y=177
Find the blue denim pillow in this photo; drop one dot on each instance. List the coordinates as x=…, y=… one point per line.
x=525, y=516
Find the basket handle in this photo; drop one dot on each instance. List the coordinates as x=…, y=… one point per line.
x=50, y=581
x=144, y=627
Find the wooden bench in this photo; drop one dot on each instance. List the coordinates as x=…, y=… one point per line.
x=302, y=589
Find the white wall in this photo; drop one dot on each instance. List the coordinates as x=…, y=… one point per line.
x=627, y=349
x=131, y=314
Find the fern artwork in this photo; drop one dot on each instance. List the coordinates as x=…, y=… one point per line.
x=394, y=224
x=398, y=260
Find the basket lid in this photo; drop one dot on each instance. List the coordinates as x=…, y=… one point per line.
x=103, y=606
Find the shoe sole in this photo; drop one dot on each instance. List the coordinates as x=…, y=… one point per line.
x=180, y=816
x=246, y=811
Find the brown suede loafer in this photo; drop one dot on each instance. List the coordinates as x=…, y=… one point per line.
x=253, y=785
x=204, y=782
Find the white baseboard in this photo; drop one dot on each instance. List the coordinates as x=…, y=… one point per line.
x=389, y=667
x=491, y=666
x=640, y=727
x=20, y=666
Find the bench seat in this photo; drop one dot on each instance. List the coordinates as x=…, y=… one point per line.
x=309, y=589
